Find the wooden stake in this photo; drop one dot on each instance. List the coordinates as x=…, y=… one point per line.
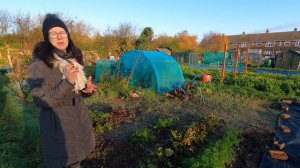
x=247, y=57
x=224, y=63
x=236, y=60
x=9, y=59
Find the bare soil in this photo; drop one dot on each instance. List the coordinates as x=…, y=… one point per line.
x=249, y=151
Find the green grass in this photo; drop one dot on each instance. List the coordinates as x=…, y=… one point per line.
x=19, y=131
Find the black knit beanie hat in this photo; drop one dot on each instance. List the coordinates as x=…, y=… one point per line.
x=50, y=21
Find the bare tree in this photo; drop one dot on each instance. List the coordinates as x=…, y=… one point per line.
x=120, y=39
x=125, y=34
x=110, y=42
x=5, y=21
x=22, y=26
x=22, y=22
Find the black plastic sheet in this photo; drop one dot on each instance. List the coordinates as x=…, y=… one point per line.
x=292, y=141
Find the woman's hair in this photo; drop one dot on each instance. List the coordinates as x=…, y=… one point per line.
x=44, y=51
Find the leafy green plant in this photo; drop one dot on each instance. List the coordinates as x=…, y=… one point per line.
x=144, y=137
x=165, y=123
x=161, y=157
x=210, y=122
x=193, y=136
x=102, y=122
x=102, y=128
x=95, y=115
x=216, y=155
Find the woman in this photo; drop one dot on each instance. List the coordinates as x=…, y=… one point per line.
x=58, y=85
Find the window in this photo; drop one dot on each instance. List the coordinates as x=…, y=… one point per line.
x=297, y=43
x=258, y=44
x=255, y=51
x=234, y=45
x=287, y=43
x=269, y=44
x=267, y=52
x=243, y=45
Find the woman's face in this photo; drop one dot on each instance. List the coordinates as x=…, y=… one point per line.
x=58, y=37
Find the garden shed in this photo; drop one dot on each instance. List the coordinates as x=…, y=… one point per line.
x=288, y=59
x=153, y=70
x=165, y=50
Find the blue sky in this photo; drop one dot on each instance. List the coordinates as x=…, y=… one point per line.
x=197, y=17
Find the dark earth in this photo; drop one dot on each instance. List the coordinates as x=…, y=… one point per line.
x=120, y=153
x=113, y=150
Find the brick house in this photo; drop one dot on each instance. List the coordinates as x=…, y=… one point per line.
x=265, y=45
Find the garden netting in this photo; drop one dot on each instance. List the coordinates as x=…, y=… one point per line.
x=215, y=58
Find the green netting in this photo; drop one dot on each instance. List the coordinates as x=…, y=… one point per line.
x=104, y=70
x=152, y=70
x=215, y=58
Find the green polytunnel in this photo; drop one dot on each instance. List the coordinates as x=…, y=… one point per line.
x=105, y=69
x=151, y=70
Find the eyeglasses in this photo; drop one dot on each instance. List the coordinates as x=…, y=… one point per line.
x=53, y=35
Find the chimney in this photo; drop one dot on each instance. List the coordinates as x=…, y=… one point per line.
x=295, y=29
x=267, y=31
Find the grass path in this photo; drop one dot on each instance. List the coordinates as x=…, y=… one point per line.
x=19, y=130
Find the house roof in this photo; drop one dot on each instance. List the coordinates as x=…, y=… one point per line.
x=163, y=49
x=265, y=37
